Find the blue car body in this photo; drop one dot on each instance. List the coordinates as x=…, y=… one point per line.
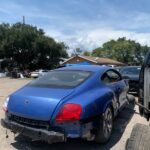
x=44, y=103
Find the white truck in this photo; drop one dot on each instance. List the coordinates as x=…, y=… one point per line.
x=140, y=136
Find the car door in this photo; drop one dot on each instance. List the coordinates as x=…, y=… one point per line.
x=118, y=86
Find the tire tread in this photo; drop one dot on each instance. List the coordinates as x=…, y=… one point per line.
x=140, y=138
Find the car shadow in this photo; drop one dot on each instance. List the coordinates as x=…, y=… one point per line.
x=120, y=124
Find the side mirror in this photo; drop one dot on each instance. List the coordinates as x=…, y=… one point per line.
x=126, y=79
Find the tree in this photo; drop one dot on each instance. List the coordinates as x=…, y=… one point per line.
x=28, y=47
x=76, y=51
x=126, y=51
x=86, y=53
x=3, y=34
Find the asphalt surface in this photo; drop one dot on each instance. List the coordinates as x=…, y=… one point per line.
x=121, y=132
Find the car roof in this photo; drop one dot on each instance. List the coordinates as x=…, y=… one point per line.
x=93, y=68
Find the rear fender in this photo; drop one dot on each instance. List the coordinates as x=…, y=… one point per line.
x=114, y=106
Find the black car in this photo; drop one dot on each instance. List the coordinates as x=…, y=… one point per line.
x=131, y=73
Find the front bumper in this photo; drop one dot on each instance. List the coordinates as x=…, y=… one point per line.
x=34, y=133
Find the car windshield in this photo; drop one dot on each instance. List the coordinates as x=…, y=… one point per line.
x=131, y=71
x=61, y=79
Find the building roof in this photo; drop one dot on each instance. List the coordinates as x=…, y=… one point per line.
x=102, y=60
x=97, y=60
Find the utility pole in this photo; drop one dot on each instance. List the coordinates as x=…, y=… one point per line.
x=23, y=19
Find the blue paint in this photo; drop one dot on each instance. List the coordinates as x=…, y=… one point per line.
x=45, y=103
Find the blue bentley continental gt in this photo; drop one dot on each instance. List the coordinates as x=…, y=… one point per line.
x=70, y=102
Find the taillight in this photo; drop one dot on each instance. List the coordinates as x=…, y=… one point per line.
x=5, y=105
x=69, y=113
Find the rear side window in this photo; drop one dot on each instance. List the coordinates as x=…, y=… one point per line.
x=111, y=76
x=61, y=79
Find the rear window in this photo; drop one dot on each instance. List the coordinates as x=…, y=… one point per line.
x=61, y=79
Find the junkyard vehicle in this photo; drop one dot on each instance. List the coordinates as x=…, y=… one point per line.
x=37, y=73
x=26, y=73
x=140, y=136
x=2, y=74
x=132, y=73
x=69, y=102
x=15, y=73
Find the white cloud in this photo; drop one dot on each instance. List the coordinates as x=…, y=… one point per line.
x=79, y=31
x=89, y=40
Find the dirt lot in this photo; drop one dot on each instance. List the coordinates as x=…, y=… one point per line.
x=122, y=128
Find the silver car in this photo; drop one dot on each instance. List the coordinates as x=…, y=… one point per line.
x=37, y=73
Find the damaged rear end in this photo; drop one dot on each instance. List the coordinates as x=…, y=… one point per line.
x=31, y=111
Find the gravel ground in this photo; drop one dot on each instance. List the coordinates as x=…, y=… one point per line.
x=122, y=128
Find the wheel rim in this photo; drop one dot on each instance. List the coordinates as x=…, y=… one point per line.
x=107, y=124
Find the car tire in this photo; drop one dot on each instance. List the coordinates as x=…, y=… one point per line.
x=105, y=127
x=139, y=139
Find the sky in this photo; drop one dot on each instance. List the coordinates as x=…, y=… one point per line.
x=84, y=24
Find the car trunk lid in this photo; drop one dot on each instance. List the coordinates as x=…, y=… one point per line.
x=36, y=103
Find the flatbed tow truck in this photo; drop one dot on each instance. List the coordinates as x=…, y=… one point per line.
x=140, y=135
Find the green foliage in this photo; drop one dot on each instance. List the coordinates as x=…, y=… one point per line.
x=28, y=47
x=3, y=34
x=126, y=51
x=86, y=53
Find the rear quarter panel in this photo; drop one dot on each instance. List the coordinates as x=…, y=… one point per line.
x=93, y=96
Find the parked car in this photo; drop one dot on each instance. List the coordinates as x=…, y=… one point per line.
x=69, y=102
x=38, y=73
x=26, y=73
x=2, y=74
x=15, y=73
x=131, y=73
